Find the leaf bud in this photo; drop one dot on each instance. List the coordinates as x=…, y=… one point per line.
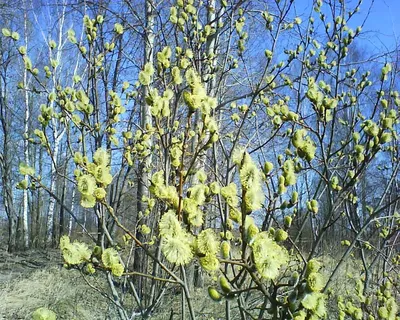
x=214, y=294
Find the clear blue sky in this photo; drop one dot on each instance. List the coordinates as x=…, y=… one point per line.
x=383, y=20
x=382, y=28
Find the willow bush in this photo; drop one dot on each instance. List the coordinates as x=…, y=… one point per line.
x=236, y=179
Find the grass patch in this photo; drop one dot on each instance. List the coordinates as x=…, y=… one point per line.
x=56, y=288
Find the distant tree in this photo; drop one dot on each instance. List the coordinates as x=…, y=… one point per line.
x=8, y=199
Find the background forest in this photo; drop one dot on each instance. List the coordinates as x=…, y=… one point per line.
x=225, y=159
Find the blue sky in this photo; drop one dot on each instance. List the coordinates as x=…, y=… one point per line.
x=382, y=28
x=383, y=21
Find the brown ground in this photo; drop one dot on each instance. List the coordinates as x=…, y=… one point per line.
x=33, y=279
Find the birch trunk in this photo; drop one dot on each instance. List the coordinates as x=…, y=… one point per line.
x=26, y=144
x=50, y=214
x=72, y=210
x=57, y=136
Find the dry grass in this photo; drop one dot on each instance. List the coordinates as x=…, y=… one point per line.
x=24, y=289
x=34, y=279
x=60, y=290
x=31, y=280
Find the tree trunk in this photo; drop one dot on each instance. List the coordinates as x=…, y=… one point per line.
x=26, y=143
x=35, y=215
x=50, y=215
x=61, y=222
x=12, y=235
x=70, y=221
x=211, y=49
x=9, y=207
x=140, y=261
x=6, y=170
x=57, y=135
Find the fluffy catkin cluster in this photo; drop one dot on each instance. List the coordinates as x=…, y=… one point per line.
x=176, y=243
x=77, y=253
x=93, y=177
x=268, y=256
x=251, y=181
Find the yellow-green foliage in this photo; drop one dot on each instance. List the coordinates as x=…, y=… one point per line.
x=230, y=194
x=92, y=184
x=315, y=282
x=250, y=179
x=24, y=169
x=269, y=257
x=110, y=257
x=74, y=253
x=177, y=244
x=304, y=145
x=214, y=294
x=169, y=224
x=178, y=249
x=162, y=191
x=315, y=303
x=225, y=249
x=44, y=314
x=224, y=284
x=209, y=263
x=146, y=74
x=182, y=98
x=355, y=303
x=207, y=242
x=251, y=229
x=280, y=235
x=111, y=260
x=208, y=246
x=87, y=186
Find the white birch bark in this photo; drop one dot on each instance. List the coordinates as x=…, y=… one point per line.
x=57, y=135
x=26, y=143
x=70, y=220
x=50, y=214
